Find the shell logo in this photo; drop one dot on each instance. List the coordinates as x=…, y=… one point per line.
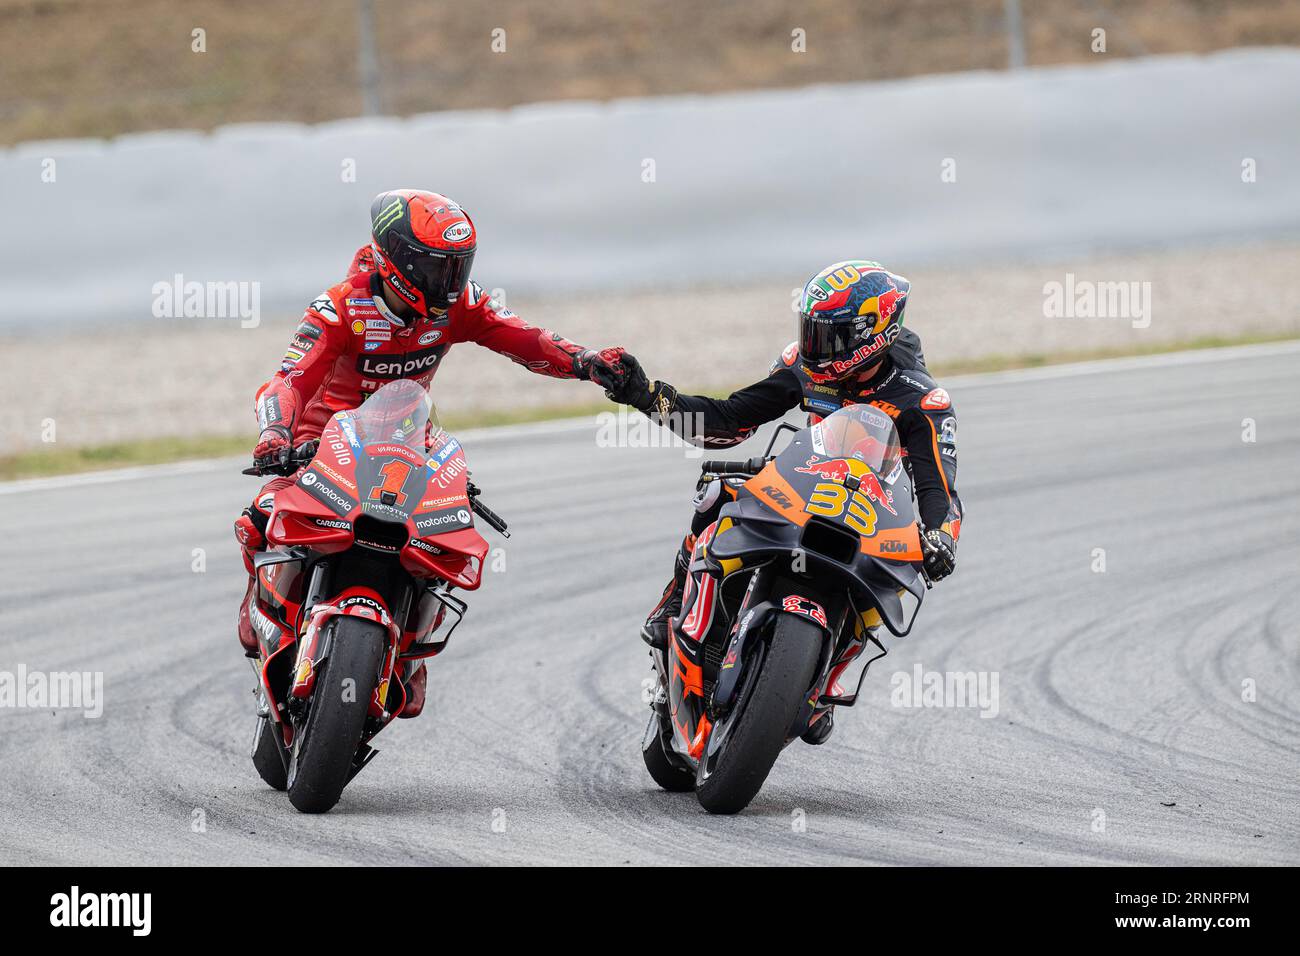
x=358, y=326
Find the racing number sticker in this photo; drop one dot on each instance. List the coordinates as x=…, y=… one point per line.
x=395, y=474
x=832, y=500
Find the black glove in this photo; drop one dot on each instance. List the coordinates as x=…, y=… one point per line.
x=940, y=554
x=623, y=379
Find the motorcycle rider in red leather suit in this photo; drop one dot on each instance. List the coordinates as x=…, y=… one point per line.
x=406, y=300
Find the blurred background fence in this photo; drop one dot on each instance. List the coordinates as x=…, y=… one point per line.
x=76, y=68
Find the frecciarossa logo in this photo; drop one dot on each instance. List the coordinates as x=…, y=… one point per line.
x=407, y=365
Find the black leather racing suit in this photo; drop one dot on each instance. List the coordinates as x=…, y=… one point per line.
x=902, y=388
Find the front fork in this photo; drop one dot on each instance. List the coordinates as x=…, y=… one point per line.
x=690, y=713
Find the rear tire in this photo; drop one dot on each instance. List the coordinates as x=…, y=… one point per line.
x=326, y=741
x=266, y=754
x=670, y=775
x=763, y=717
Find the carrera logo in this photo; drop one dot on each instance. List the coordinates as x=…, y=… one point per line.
x=422, y=546
x=457, y=232
x=398, y=366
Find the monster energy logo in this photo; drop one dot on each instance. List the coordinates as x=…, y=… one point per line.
x=388, y=215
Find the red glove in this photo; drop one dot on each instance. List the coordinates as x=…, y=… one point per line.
x=273, y=446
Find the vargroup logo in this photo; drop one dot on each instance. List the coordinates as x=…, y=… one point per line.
x=179, y=299
x=74, y=909
x=37, y=690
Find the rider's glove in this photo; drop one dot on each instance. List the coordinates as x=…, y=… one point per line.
x=629, y=385
x=940, y=556
x=274, y=446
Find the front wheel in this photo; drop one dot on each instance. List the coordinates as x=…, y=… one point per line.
x=326, y=739
x=755, y=730
x=266, y=754
x=668, y=773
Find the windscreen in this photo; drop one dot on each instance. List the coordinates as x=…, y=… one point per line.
x=862, y=432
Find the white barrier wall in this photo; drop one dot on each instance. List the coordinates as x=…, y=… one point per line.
x=770, y=184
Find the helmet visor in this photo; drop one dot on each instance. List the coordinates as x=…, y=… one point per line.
x=822, y=341
x=440, y=276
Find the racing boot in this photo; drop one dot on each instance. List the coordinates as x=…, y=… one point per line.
x=655, y=630
x=250, y=531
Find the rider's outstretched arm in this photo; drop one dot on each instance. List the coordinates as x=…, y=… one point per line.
x=720, y=422
x=536, y=349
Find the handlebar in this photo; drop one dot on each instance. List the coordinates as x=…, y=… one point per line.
x=288, y=464
x=750, y=467
x=483, y=511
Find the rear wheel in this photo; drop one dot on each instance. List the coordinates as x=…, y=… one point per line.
x=266, y=754
x=326, y=739
x=755, y=730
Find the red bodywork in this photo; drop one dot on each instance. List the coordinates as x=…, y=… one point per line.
x=320, y=513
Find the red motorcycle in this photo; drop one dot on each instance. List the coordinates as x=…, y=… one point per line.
x=354, y=591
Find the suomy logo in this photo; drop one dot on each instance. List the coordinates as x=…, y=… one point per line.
x=457, y=232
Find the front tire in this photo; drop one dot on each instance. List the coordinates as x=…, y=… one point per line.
x=326, y=740
x=266, y=755
x=762, y=718
x=666, y=772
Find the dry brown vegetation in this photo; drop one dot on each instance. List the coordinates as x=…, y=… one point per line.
x=102, y=67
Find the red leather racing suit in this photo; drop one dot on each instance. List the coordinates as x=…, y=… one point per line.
x=350, y=343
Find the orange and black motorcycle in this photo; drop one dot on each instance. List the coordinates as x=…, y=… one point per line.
x=786, y=589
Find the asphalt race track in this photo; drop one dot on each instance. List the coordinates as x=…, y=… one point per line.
x=1126, y=729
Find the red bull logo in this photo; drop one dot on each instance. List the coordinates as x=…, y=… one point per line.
x=840, y=469
x=870, y=486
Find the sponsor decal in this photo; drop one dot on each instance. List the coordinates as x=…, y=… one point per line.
x=358, y=326
x=333, y=523
x=308, y=330
x=801, y=605
x=268, y=411
x=324, y=308
x=779, y=496
x=428, y=338
x=408, y=365
x=457, y=232
x=443, y=519
x=340, y=453
x=936, y=401
x=446, y=501
x=383, y=324
x=371, y=346
x=326, y=493
x=389, y=216
x=362, y=303
x=424, y=546
x=948, y=430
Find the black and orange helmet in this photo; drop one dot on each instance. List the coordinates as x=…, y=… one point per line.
x=424, y=247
